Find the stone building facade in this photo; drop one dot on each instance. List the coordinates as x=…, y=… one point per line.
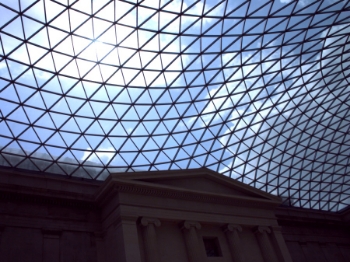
x=193, y=215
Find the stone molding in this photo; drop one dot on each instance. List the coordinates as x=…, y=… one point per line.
x=42, y=199
x=91, y=195
x=47, y=200
x=200, y=196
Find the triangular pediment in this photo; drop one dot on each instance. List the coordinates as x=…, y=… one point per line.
x=196, y=180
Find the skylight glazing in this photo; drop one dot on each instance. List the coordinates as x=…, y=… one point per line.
x=256, y=90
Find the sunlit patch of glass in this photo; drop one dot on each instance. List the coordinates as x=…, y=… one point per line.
x=256, y=90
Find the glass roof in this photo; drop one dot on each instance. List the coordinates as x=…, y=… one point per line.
x=256, y=90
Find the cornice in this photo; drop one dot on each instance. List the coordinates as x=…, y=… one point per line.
x=41, y=199
x=287, y=216
x=144, y=189
x=193, y=173
x=53, y=190
x=30, y=187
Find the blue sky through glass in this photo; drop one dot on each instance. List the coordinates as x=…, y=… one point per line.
x=256, y=90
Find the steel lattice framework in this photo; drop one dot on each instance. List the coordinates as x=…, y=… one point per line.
x=256, y=90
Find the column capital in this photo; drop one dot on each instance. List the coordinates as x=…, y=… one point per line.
x=261, y=230
x=189, y=229
x=189, y=224
x=145, y=221
x=234, y=241
x=231, y=228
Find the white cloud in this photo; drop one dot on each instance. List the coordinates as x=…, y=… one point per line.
x=300, y=2
x=2, y=65
x=105, y=154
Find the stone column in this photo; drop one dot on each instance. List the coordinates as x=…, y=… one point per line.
x=122, y=243
x=189, y=229
x=265, y=245
x=100, y=246
x=278, y=241
x=233, y=239
x=51, y=245
x=150, y=238
x=1, y=232
x=332, y=252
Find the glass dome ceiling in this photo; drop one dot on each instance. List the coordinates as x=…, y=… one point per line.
x=256, y=90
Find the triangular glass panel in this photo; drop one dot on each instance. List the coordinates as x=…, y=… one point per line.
x=14, y=28
x=14, y=148
x=148, y=41
x=109, y=36
x=84, y=6
x=107, y=12
x=93, y=140
x=129, y=146
x=50, y=99
x=9, y=43
x=42, y=77
x=62, y=22
x=81, y=144
x=33, y=113
x=86, y=30
x=150, y=125
x=141, y=160
x=30, y=27
x=69, y=138
x=6, y=15
x=129, y=158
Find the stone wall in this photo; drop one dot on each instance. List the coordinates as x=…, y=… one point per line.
x=52, y=218
x=315, y=236
x=47, y=219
